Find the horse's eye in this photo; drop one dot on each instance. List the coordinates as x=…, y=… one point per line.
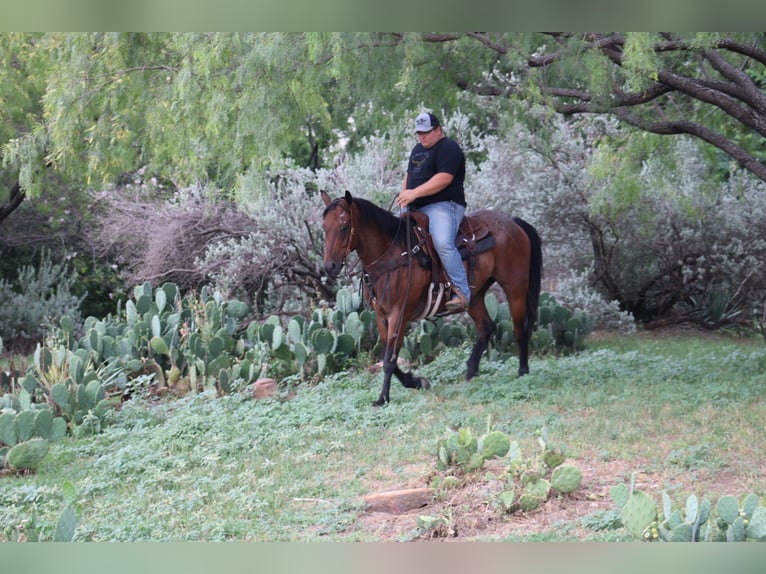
x=344, y=228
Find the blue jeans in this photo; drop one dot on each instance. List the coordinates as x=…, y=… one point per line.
x=444, y=218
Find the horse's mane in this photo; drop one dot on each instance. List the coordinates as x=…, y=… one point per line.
x=389, y=224
x=394, y=227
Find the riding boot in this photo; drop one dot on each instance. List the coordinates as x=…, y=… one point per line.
x=458, y=301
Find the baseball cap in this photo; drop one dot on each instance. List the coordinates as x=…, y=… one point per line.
x=425, y=122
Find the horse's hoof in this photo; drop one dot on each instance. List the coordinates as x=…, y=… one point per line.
x=424, y=383
x=523, y=372
x=379, y=403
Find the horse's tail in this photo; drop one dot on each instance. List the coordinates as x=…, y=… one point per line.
x=535, y=273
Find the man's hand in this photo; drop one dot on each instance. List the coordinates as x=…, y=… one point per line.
x=405, y=197
x=434, y=185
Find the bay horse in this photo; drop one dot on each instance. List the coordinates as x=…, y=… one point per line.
x=398, y=282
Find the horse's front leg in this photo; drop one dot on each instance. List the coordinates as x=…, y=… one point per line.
x=389, y=366
x=394, y=336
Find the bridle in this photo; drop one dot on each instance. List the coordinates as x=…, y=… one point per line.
x=351, y=233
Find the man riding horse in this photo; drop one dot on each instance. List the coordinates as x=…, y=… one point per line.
x=434, y=186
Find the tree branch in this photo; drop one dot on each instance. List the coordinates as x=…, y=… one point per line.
x=733, y=91
x=14, y=201
x=742, y=157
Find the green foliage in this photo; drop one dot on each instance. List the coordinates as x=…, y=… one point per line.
x=565, y=478
x=640, y=62
x=530, y=481
x=459, y=449
x=715, y=309
x=38, y=296
x=295, y=470
x=27, y=428
x=558, y=330
x=638, y=511
x=432, y=336
x=730, y=520
x=188, y=344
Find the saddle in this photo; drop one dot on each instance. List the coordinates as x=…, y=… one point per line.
x=473, y=238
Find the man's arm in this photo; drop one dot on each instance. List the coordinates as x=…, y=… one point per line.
x=434, y=185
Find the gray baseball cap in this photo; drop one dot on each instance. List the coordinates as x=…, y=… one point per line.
x=425, y=122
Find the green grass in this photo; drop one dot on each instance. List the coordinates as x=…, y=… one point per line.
x=233, y=468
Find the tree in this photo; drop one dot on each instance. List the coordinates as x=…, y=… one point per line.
x=204, y=108
x=211, y=111
x=22, y=84
x=707, y=85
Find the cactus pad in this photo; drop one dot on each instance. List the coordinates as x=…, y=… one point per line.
x=8, y=429
x=553, y=457
x=756, y=529
x=538, y=488
x=638, y=512
x=736, y=532
x=159, y=345
x=728, y=509
x=27, y=455
x=528, y=502
x=494, y=444
x=681, y=533
x=566, y=478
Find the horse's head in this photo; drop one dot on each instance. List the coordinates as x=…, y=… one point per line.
x=337, y=223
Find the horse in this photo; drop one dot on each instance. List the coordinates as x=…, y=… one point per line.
x=399, y=281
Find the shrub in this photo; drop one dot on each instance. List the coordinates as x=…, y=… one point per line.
x=39, y=296
x=157, y=237
x=576, y=292
x=277, y=263
x=653, y=223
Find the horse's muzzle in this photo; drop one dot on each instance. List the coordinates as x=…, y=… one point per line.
x=332, y=268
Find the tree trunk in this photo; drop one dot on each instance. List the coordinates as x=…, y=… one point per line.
x=15, y=199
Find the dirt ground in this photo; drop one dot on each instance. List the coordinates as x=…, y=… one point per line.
x=470, y=514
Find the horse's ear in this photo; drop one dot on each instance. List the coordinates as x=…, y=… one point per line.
x=348, y=197
x=325, y=197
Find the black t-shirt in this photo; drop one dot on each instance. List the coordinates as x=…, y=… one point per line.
x=445, y=156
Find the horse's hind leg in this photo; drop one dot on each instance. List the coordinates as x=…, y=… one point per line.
x=484, y=329
x=521, y=331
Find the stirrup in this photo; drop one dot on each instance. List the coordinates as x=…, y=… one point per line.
x=458, y=301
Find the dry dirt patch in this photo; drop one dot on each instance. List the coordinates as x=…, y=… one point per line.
x=470, y=514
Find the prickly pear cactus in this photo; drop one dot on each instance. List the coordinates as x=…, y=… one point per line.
x=739, y=523
x=8, y=429
x=566, y=329
x=494, y=444
x=539, y=488
x=566, y=478
x=553, y=457
x=529, y=502
x=639, y=512
x=727, y=509
x=458, y=448
x=756, y=527
x=28, y=454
